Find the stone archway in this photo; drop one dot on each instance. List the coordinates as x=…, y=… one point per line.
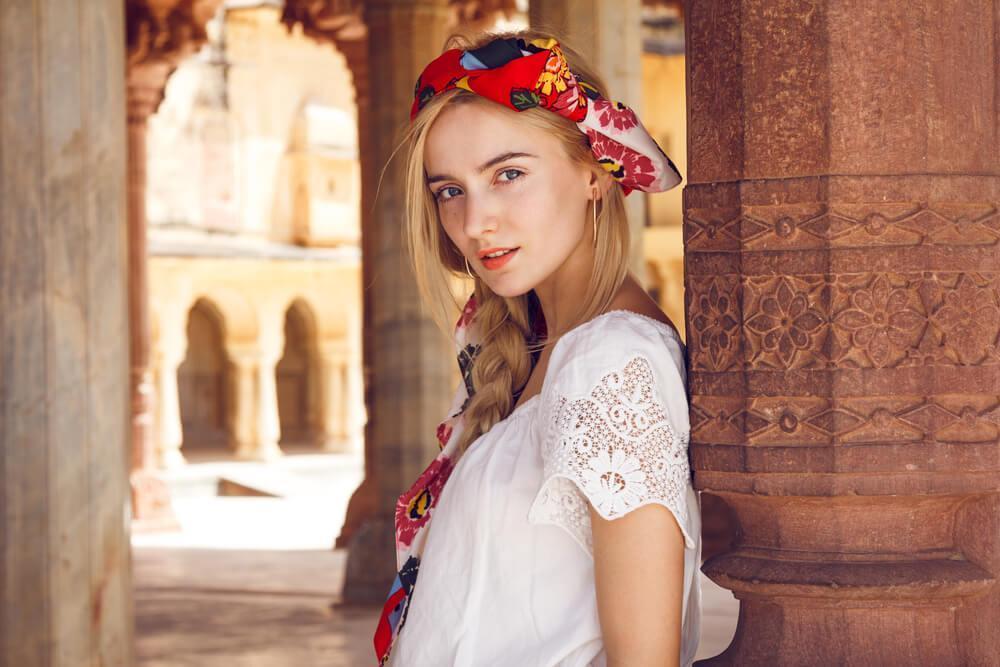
x=297, y=380
x=202, y=381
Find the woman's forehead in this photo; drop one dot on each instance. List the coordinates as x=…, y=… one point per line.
x=466, y=136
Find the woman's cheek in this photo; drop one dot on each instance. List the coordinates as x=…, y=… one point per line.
x=452, y=224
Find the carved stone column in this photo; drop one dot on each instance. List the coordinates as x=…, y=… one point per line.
x=609, y=34
x=842, y=222
x=158, y=35
x=66, y=591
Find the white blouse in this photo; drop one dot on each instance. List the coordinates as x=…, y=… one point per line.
x=507, y=574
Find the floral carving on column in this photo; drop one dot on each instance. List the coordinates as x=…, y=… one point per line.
x=881, y=321
x=969, y=319
x=714, y=321
x=785, y=321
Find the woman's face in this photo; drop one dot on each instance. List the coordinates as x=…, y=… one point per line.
x=501, y=184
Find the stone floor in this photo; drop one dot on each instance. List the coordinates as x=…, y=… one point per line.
x=251, y=581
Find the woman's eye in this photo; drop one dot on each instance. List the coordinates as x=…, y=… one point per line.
x=442, y=194
x=512, y=174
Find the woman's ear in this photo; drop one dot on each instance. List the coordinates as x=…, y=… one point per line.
x=600, y=181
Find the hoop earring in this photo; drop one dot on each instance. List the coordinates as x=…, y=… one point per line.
x=595, y=222
x=467, y=267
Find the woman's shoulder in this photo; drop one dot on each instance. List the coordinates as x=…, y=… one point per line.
x=612, y=340
x=620, y=329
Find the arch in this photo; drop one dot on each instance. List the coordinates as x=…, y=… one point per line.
x=202, y=380
x=237, y=314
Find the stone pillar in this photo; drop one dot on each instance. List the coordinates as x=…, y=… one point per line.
x=363, y=503
x=253, y=418
x=843, y=291
x=267, y=418
x=170, y=431
x=150, y=495
x=609, y=34
x=241, y=407
x=410, y=360
x=66, y=591
x=333, y=412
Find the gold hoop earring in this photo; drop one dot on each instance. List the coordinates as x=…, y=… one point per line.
x=595, y=222
x=467, y=267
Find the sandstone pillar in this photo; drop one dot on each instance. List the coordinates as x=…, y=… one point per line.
x=410, y=361
x=333, y=412
x=65, y=578
x=241, y=408
x=253, y=419
x=609, y=34
x=170, y=431
x=150, y=496
x=842, y=220
x=268, y=420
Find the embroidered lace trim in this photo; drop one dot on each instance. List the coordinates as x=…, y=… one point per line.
x=615, y=448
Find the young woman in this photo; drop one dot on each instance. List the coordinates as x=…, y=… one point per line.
x=566, y=530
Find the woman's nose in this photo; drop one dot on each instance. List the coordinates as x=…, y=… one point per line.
x=481, y=217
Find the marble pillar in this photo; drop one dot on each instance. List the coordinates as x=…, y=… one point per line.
x=65, y=578
x=842, y=220
x=609, y=34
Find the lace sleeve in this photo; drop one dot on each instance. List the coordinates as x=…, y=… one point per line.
x=614, y=447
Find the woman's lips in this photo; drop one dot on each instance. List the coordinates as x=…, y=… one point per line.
x=494, y=263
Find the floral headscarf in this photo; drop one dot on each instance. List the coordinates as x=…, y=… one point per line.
x=521, y=75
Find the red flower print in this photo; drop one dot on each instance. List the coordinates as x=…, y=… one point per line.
x=615, y=114
x=413, y=507
x=467, y=313
x=622, y=161
x=444, y=430
x=570, y=104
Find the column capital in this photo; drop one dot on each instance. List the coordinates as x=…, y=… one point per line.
x=329, y=21
x=159, y=34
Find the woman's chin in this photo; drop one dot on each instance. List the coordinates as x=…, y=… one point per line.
x=508, y=287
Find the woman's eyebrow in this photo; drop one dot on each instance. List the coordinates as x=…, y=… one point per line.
x=489, y=163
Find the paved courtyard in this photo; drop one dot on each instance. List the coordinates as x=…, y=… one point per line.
x=252, y=581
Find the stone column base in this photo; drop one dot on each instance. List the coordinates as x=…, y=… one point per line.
x=371, y=563
x=151, y=508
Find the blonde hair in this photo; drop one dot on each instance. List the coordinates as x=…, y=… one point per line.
x=504, y=360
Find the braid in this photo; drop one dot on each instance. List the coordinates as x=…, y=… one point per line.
x=503, y=364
